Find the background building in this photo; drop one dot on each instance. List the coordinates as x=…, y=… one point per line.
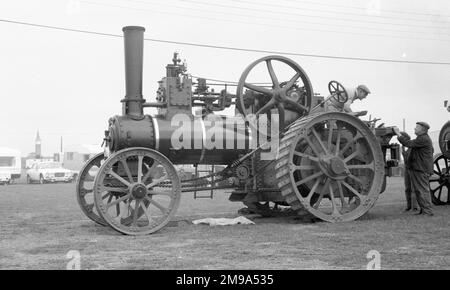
x=75, y=156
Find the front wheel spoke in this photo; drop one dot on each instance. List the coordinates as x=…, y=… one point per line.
x=135, y=213
x=127, y=170
x=139, y=175
x=118, y=201
x=309, y=178
x=115, y=189
x=118, y=177
x=157, y=181
x=258, y=89
x=158, y=205
x=149, y=172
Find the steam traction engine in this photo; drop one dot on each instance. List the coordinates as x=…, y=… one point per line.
x=440, y=180
x=328, y=165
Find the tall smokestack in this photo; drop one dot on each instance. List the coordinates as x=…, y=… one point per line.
x=134, y=50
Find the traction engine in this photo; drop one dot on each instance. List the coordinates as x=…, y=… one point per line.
x=282, y=148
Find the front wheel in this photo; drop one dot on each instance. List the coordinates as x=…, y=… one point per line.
x=137, y=191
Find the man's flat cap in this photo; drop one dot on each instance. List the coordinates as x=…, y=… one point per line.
x=424, y=124
x=364, y=88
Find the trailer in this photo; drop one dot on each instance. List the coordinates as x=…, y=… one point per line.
x=10, y=165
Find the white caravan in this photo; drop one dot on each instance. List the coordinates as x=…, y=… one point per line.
x=10, y=165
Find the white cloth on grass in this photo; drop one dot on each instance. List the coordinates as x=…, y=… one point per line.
x=224, y=221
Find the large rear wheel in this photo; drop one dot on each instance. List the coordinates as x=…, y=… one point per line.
x=331, y=166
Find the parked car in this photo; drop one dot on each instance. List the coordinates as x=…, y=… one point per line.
x=44, y=172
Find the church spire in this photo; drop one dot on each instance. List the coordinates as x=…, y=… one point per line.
x=37, y=147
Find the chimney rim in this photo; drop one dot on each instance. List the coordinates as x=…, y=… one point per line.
x=127, y=28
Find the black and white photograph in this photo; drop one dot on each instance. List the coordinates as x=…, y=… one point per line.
x=236, y=138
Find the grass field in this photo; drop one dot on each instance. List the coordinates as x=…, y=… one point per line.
x=40, y=224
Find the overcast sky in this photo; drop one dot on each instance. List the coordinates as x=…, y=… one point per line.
x=68, y=84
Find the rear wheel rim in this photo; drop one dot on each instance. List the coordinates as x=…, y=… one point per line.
x=335, y=166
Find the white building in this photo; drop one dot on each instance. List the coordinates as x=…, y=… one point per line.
x=75, y=156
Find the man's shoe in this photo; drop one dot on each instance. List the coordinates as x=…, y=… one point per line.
x=429, y=214
x=415, y=209
x=407, y=209
x=419, y=213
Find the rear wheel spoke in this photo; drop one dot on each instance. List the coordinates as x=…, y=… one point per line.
x=353, y=190
x=309, y=178
x=322, y=193
x=319, y=140
x=300, y=154
x=355, y=138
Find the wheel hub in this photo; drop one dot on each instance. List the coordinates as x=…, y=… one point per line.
x=333, y=166
x=138, y=191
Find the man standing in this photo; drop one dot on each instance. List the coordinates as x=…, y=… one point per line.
x=411, y=201
x=420, y=164
x=359, y=93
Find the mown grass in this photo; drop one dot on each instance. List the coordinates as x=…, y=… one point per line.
x=41, y=223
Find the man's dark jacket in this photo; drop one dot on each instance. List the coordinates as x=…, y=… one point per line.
x=420, y=154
